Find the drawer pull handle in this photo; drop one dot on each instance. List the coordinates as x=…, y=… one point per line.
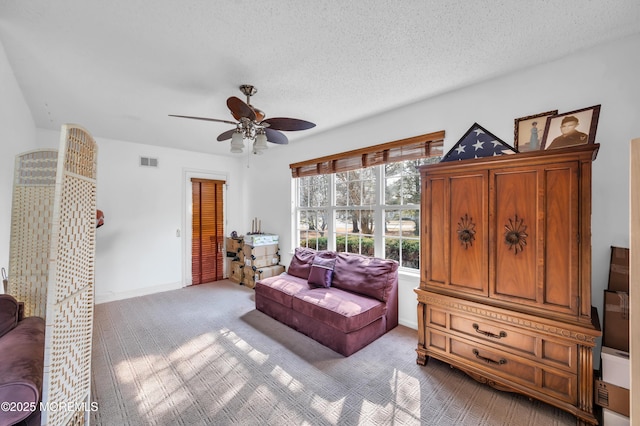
x=489, y=360
x=502, y=334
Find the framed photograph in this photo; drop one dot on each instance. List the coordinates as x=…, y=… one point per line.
x=528, y=131
x=571, y=128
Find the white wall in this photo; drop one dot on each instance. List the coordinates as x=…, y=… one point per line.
x=138, y=250
x=17, y=134
x=605, y=75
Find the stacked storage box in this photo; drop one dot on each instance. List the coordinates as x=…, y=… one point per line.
x=260, y=258
x=235, y=265
x=612, y=392
x=236, y=273
x=261, y=239
x=256, y=274
x=616, y=302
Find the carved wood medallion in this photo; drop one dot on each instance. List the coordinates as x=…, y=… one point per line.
x=515, y=235
x=466, y=231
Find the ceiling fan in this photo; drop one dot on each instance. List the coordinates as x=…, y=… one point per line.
x=252, y=125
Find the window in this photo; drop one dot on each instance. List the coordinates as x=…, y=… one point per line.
x=354, y=219
x=374, y=211
x=365, y=201
x=402, y=212
x=312, y=213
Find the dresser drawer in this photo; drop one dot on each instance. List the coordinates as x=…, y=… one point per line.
x=512, y=368
x=493, y=333
x=537, y=347
x=499, y=363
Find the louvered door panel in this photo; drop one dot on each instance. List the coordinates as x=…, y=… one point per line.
x=196, y=247
x=208, y=231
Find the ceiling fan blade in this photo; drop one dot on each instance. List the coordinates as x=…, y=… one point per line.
x=203, y=118
x=288, y=124
x=226, y=135
x=259, y=114
x=275, y=136
x=239, y=109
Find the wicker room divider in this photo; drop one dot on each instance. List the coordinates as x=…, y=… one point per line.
x=31, y=213
x=59, y=267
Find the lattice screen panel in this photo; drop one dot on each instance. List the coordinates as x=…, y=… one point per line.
x=70, y=299
x=31, y=214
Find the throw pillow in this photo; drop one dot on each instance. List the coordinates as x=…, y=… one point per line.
x=321, y=272
x=300, y=264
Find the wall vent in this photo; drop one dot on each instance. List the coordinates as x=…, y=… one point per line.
x=148, y=162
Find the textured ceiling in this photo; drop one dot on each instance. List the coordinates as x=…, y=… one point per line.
x=119, y=67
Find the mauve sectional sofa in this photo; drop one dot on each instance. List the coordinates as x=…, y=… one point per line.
x=344, y=301
x=21, y=364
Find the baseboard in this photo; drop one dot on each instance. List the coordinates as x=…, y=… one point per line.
x=112, y=296
x=408, y=324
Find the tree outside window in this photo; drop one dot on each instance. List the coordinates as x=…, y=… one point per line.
x=359, y=210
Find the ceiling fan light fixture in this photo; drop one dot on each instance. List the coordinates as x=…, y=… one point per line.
x=261, y=143
x=237, y=143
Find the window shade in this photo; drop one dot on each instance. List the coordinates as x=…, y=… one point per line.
x=423, y=146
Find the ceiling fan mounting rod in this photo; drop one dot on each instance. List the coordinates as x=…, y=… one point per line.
x=248, y=90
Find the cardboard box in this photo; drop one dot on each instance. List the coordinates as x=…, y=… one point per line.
x=233, y=245
x=615, y=367
x=619, y=269
x=237, y=271
x=260, y=273
x=249, y=280
x=262, y=261
x=260, y=239
x=269, y=271
x=257, y=251
x=616, y=320
x=612, y=397
x=611, y=418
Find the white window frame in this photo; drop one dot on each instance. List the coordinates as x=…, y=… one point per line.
x=377, y=208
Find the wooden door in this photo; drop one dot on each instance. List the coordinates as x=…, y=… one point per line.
x=536, y=236
x=515, y=275
x=207, y=231
x=468, y=234
x=455, y=233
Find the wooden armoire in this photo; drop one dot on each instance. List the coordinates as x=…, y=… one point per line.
x=505, y=288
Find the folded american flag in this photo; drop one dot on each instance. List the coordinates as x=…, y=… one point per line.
x=476, y=143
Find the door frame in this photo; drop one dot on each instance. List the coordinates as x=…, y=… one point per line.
x=187, y=209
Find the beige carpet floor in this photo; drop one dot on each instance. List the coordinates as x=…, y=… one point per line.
x=203, y=355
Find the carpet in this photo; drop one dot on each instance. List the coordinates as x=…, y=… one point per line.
x=202, y=355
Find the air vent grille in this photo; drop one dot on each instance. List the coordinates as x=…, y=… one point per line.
x=148, y=162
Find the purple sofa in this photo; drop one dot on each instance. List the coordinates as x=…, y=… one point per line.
x=344, y=301
x=21, y=363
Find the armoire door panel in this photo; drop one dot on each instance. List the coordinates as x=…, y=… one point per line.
x=561, y=256
x=436, y=222
x=516, y=235
x=468, y=235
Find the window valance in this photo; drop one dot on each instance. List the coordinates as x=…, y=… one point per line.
x=423, y=146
